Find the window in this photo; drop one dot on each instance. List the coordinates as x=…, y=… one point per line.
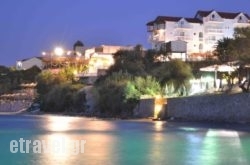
x=182, y=34
x=240, y=19
x=200, y=47
x=213, y=16
x=200, y=35
x=182, y=23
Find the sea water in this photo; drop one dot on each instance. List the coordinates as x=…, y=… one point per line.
x=120, y=142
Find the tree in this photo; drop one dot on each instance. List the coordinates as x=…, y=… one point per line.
x=224, y=50
x=174, y=72
x=30, y=74
x=130, y=61
x=235, y=49
x=120, y=92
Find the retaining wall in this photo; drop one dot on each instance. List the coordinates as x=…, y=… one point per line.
x=220, y=108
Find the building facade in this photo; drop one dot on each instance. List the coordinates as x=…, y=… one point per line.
x=201, y=32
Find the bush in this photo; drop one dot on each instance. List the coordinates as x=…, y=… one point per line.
x=64, y=98
x=119, y=93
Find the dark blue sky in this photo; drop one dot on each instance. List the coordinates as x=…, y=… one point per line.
x=28, y=27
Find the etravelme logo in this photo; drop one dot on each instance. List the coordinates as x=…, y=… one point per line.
x=61, y=146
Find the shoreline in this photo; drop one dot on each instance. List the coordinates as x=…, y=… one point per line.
x=179, y=124
x=183, y=123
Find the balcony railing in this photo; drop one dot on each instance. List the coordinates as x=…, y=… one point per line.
x=183, y=38
x=214, y=31
x=216, y=20
x=187, y=27
x=150, y=28
x=157, y=38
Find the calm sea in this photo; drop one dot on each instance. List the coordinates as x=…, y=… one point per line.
x=121, y=142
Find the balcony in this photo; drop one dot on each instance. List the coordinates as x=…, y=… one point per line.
x=183, y=27
x=150, y=28
x=214, y=20
x=157, y=38
x=214, y=31
x=183, y=38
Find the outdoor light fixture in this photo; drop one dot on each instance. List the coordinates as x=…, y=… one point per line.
x=58, y=51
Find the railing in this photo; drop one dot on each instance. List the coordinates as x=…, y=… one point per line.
x=157, y=37
x=183, y=27
x=150, y=28
x=214, y=20
x=214, y=31
x=185, y=38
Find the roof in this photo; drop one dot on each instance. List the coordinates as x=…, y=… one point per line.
x=78, y=43
x=26, y=59
x=193, y=20
x=227, y=15
x=163, y=19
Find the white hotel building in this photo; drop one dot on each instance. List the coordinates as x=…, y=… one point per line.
x=201, y=33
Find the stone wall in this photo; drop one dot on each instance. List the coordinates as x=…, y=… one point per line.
x=145, y=108
x=150, y=108
x=220, y=108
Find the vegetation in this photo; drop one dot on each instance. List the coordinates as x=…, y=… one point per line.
x=134, y=74
x=64, y=98
x=58, y=92
x=237, y=49
x=175, y=71
x=229, y=49
x=10, y=78
x=120, y=92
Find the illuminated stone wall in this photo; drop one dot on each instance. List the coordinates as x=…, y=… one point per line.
x=150, y=108
x=220, y=108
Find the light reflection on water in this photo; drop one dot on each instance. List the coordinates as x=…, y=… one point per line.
x=123, y=142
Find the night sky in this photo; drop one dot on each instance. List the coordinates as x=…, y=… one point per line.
x=28, y=27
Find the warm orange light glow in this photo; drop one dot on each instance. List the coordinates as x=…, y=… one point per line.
x=159, y=104
x=75, y=72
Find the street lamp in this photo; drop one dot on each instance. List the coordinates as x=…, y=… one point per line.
x=59, y=51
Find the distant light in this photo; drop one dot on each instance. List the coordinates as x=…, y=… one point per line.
x=78, y=54
x=69, y=53
x=19, y=65
x=43, y=53
x=59, y=51
x=75, y=72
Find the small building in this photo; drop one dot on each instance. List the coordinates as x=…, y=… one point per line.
x=29, y=63
x=78, y=48
x=176, y=49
